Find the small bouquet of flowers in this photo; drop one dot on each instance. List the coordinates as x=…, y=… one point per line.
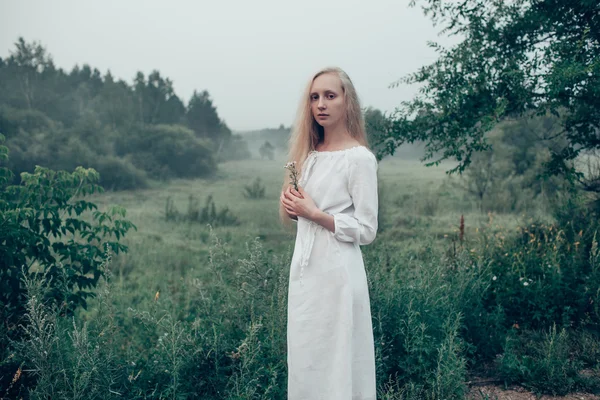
x=291, y=166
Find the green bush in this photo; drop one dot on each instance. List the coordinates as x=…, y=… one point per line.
x=542, y=260
x=418, y=312
x=14, y=121
x=46, y=230
x=205, y=215
x=119, y=174
x=254, y=191
x=167, y=151
x=544, y=363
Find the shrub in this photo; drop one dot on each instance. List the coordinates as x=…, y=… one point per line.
x=543, y=362
x=13, y=121
x=167, y=151
x=254, y=191
x=119, y=174
x=44, y=230
x=205, y=215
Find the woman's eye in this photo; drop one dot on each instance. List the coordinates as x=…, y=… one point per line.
x=331, y=96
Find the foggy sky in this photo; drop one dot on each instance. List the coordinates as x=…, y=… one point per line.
x=254, y=57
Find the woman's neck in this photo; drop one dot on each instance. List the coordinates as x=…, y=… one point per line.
x=335, y=136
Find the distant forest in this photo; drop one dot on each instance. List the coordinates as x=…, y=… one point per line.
x=129, y=133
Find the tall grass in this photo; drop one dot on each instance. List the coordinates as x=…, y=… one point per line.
x=196, y=312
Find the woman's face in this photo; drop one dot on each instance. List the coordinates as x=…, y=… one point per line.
x=327, y=100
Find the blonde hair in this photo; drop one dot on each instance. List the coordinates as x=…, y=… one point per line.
x=307, y=133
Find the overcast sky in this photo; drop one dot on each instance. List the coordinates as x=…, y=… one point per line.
x=254, y=57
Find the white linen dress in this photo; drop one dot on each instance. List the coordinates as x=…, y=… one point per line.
x=330, y=346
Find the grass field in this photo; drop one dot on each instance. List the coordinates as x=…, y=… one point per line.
x=195, y=311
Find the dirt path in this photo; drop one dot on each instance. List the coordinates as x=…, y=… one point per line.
x=481, y=391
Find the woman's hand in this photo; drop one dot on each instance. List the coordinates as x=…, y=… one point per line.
x=298, y=203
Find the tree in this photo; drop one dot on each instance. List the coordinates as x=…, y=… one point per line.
x=30, y=61
x=156, y=100
x=202, y=117
x=376, y=125
x=516, y=58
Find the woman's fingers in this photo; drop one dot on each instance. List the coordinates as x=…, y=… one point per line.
x=289, y=195
x=296, y=193
x=287, y=204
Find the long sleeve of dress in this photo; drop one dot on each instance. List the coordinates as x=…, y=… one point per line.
x=361, y=226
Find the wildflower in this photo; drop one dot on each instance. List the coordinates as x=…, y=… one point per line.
x=525, y=283
x=494, y=278
x=291, y=166
x=17, y=375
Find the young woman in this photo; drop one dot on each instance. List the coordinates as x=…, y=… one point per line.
x=329, y=334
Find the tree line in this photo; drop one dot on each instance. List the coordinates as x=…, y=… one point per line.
x=129, y=132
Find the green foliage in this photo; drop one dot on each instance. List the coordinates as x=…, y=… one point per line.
x=254, y=191
x=158, y=103
x=541, y=260
x=205, y=215
x=167, y=151
x=418, y=313
x=510, y=176
x=202, y=118
x=544, y=363
x=377, y=126
x=45, y=231
x=13, y=121
x=67, y=119
x=59, y=357
x=120, y=174
x=514, y=59
x=202, y=314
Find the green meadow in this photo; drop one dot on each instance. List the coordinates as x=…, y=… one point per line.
x=197, y=310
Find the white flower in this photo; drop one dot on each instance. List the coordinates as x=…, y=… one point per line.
x=494, y=278
x=525, y=283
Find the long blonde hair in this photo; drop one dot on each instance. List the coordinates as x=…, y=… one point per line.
x=307, y=133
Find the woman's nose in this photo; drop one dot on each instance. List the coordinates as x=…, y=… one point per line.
x=321, y=104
